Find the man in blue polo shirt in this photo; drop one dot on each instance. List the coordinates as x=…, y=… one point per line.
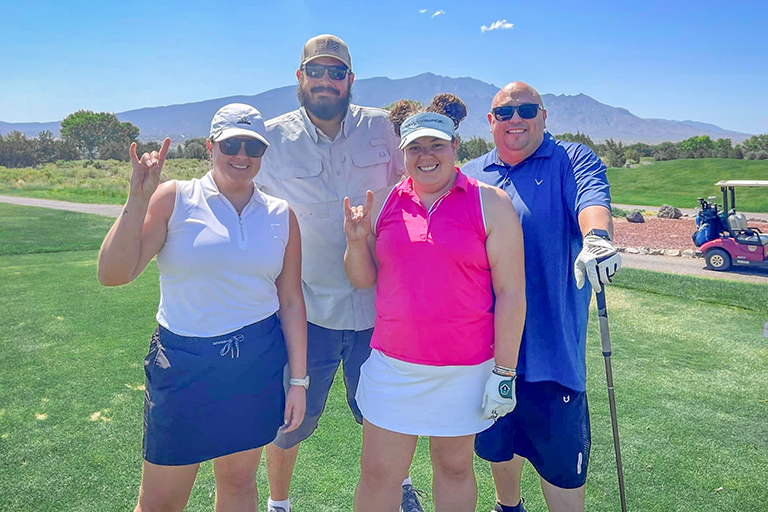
x=560, y=192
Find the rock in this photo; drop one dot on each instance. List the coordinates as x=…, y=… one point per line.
x=632, y=250
x=656, y=252
x=672, y=252
x=643, y=250
x=635, y=216
x=620, y=248
x=669, y=212
x=688, y=253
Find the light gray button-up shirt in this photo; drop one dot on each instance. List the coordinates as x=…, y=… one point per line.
x=314, y=174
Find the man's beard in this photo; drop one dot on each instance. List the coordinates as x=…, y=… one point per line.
x=327, y=109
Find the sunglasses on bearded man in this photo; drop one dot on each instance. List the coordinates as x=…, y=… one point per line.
x=318, y=70
x=254, y=148
x=526, y=111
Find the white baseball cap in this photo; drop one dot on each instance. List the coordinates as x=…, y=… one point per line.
x=238, y=120
x=426, y=124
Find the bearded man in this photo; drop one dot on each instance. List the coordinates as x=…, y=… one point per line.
x=321, y=153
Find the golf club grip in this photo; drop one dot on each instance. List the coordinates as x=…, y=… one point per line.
x=602, y=318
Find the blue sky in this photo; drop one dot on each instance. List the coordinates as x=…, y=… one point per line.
x=674, y=59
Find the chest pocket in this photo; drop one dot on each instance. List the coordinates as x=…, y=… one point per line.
x=371, y=167
x=306, y=188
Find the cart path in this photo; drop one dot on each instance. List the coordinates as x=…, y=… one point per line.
x=106, y=210
x=685, y=266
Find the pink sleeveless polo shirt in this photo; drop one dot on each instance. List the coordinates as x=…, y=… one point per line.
x=434, y=297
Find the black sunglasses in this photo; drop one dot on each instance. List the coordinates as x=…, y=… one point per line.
x=318, y=70
x=254, y=148
x=526, y=111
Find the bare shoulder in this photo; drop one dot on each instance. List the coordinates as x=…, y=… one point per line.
x=163, y=200
x=494, y=197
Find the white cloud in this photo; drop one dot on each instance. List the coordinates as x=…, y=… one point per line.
x=498, y=25
x=438, y=13
x=422, y=11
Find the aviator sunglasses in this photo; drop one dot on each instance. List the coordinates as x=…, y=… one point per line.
x=253, y=148
x=318, y=70
x=526, y=111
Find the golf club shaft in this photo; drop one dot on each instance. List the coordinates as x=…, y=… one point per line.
x=605, y=340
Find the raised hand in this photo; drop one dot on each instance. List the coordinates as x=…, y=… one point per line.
x=357, y=219
x=146, y=170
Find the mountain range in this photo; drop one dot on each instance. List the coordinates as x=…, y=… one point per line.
x=564, y=113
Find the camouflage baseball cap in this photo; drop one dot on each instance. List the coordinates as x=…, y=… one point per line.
x=326, y=45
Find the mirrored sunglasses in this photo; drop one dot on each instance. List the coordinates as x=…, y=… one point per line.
x=318, y=70
x=254, y=148
x=526, y=111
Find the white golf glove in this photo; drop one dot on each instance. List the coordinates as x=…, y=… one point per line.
x=499, y=398
x=598, y=261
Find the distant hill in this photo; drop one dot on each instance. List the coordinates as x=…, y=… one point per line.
x=564, y=113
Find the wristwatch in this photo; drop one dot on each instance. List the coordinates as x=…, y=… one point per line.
x=299, y=382
x=601, y=233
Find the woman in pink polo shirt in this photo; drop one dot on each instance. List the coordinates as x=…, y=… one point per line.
x=446, y=255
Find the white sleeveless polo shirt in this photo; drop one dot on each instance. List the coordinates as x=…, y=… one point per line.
x=218, y=268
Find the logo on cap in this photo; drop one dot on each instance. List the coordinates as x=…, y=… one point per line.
x=243, y=120
x=328, y=45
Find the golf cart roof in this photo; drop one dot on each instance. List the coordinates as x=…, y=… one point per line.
x=742, y=183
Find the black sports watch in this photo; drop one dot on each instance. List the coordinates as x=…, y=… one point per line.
x=601, y=233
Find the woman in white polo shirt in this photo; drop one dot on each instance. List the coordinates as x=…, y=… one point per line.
x=229, y=258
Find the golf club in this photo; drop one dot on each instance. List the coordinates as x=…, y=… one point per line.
x=605, y=340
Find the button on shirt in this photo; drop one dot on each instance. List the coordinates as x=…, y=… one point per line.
x=314, y=173
x=548, y=190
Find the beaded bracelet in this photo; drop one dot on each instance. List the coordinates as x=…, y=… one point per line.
x=504, y=371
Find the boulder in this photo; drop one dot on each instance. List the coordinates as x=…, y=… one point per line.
x=644, y=250
x=656, y=252
x=672, y=252
x=635, y=216
x=669, y=212
x=632, y=250
x=688, y=253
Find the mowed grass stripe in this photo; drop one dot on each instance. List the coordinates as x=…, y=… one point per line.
x=29, y=229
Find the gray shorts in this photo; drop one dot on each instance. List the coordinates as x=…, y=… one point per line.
x=326, y=348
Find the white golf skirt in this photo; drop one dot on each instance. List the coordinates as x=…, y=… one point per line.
x=421, y=400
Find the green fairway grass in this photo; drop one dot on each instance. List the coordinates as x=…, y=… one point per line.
x=28, y=229
x=680, y=182
x=689, y=368
x=82, y=182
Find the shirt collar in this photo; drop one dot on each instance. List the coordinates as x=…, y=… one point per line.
x=545, y=150
x=346, y=123
x=210, y=189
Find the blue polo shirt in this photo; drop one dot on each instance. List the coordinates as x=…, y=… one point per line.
x=548, y=190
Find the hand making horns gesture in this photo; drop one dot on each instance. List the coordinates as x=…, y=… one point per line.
x=357, y=219
x=146, y=170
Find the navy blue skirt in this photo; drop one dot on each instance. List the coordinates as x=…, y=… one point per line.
x=209, y=397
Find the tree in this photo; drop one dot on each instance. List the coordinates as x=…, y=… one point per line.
x=89, y=130
x=614, y=154
x=581, y=138
x=697, y=147
x=45, y=151
x=473, y=148
x=665, y=151
x=723, y=148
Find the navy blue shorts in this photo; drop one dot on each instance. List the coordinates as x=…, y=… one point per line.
x=549, y=427
x=209, y=397
x=326, y=349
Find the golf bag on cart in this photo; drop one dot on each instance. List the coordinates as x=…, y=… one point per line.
x=709, y=223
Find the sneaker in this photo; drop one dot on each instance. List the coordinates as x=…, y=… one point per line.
x=411, y=497
x=276, y=509
x=518, y=508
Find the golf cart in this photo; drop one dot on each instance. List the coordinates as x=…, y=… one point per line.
x=723, y=235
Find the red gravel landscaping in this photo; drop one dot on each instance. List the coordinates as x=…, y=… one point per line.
x=657, y=233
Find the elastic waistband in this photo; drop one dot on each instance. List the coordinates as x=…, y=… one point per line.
x=255, y=329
